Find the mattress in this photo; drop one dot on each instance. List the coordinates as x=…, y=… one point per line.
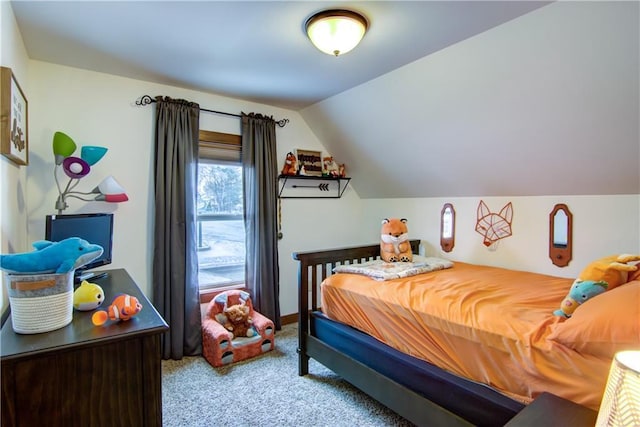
x=474, y=402
x=491, y=325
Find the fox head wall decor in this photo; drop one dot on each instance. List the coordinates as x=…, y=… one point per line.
x=494, y=226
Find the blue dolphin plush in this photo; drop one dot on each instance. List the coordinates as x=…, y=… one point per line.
x=52, y=257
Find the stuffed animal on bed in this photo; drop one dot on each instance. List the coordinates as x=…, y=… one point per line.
x=394, y=241
x=601, y=275
x=236, y=320
x=613, y=269
x=580, y=292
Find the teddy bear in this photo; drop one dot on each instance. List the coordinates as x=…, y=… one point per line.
x=290, y=167
x=237, y=320
x=600, y=275
x=580, y=292
x=394, y=241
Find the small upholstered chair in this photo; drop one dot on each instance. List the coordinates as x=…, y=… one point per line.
x=219, y=347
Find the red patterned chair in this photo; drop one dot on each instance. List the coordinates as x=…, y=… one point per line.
x=218, y=345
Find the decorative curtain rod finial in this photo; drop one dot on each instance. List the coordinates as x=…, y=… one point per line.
x=146, y=100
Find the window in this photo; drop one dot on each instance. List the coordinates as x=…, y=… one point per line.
x=220, y=223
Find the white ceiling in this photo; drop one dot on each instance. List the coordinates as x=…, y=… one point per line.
x=441, y=98
x=254, y=50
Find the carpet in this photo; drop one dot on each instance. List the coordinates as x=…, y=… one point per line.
x=265, y=391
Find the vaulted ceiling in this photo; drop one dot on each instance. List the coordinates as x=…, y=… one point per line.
x=441, y=98
x=254, y=50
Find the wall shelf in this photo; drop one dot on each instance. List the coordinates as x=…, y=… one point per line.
x=311, y=187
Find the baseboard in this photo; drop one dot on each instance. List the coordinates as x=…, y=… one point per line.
x=289, y=319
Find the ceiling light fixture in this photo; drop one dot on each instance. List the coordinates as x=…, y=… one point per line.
x=336, y=31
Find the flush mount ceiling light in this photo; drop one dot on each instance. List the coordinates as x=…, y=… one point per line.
x=336, y=31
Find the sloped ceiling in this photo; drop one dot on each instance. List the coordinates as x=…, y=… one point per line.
x=546, y=104
x=254, y=50
x=441, y=99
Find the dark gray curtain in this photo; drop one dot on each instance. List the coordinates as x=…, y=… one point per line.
x=175, y=260
x=260, y=203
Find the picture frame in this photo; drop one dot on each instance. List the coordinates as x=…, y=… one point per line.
x=14, y=123
x=310, y=160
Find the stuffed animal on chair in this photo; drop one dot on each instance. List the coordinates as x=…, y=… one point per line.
x=290, y=167
x=394, y=241
x=235, y=318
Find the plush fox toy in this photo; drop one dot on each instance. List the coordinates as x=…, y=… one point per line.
x=289, y=167
x=394, y=241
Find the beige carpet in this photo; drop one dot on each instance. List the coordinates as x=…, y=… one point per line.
x=265, y=391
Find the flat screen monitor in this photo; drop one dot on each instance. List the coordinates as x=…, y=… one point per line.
x=96, y=228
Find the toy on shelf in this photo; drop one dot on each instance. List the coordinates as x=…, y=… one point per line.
x=290, y=167
x=88, y=296
x=123, y=308
x=330, y=167
x=52, y=257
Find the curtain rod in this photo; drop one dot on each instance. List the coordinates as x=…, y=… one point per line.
x=146, y=100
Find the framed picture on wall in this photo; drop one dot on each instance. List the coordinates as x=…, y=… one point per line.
x=14, y=133
x=311, y=161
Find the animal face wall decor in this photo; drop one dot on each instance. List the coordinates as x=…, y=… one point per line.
x=494, y=226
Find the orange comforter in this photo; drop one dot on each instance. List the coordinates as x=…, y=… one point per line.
x=483, y=323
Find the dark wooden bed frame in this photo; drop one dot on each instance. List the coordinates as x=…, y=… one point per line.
x=314, y=267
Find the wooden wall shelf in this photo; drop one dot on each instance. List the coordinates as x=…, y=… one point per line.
x=311, y=187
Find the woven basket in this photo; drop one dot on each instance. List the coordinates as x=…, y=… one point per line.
x=40, y=302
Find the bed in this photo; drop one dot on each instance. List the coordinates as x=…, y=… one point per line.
x=406, y=341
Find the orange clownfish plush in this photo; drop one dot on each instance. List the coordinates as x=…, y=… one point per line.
x=123, y=307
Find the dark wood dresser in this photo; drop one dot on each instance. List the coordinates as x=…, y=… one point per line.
x=86, y=375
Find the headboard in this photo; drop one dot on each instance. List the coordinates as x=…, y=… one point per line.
x=316, y=266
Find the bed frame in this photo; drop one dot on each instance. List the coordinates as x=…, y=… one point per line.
x=435, y=398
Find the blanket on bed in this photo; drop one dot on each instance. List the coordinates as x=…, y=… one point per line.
x=382, y=270
x=494, y=326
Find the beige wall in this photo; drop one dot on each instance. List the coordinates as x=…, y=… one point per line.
x=602, y=226
x=545, y=104
x=13, y=207
x=98, y=109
